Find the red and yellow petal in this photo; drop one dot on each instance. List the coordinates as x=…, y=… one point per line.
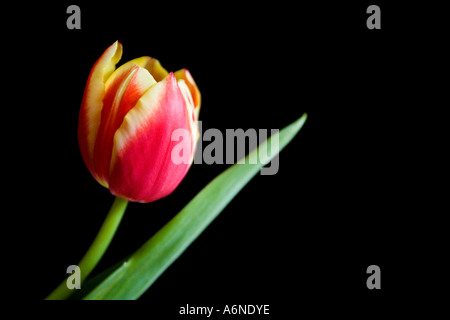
x=92, y=103
x=192, y=97
x=154, y=67
x=185, y=75
x=141, y=165
x=125, y=87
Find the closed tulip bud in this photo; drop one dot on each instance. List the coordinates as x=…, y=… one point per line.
x=126, y=120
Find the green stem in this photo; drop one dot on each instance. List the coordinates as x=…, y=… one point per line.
x=97, y=248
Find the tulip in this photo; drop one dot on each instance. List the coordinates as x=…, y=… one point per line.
x=126, y=120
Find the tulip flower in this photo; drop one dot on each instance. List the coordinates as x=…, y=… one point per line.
x=125, y=132
x=127, y=123
x=126, y=120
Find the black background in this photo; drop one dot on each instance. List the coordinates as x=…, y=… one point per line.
x=348, y=193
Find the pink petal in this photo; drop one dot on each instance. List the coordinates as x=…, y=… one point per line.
x=141, y=165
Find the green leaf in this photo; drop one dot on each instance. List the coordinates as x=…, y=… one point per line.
x=141, y=269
